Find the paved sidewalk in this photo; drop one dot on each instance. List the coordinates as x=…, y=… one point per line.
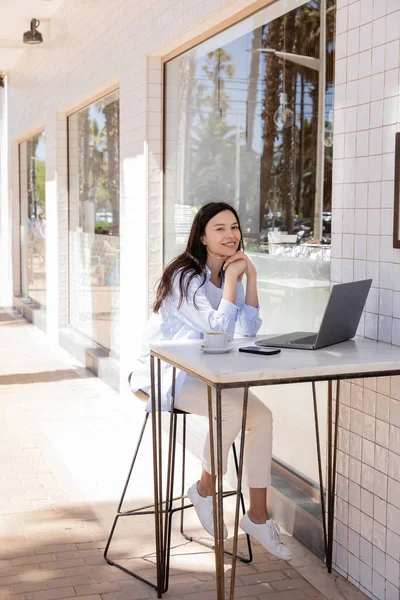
x=66, y=441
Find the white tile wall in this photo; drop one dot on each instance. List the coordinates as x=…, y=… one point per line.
x=368, y=109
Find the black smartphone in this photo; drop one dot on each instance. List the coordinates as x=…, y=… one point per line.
x=260, y=350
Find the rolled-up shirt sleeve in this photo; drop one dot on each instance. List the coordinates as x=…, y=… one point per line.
x=197, y=312
x=248, y=320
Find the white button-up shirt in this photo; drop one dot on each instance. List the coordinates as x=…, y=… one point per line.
x=206, y=311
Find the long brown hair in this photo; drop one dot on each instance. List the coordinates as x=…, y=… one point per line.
x=192, y=261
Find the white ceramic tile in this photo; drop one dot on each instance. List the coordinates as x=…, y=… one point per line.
x=341, y=20
x=395, y=332
x=386, y=274
x=360, y=228
x=390, y=111
x=394, y=412
x=385, y=248
x=378, y=586
x=383, y=385
x=347, y=271
x=386, y=221
x=366, y=11
x=375, y=168
x=377, y=86
x=354, y=567
x=352, y=69
x=363, y=142
x=365, y=576
x=394, y=439
x=380, y=484
x=374, y=194
x=382, y=409
x=354, y=489
x=353, y=41
x=373, y=224
x=367, y=478
x=336, y=270
x=388, y=138
x=375, y=141
x=396, y=277
x=350, y=170
x=391, y=82
x=386, y=302
x=348, y=220
x=364, y=90
x=365, y=64
x=373, y=247
x=388, y=166
x=344, y=440
x=387, y=194
x=367, y=499
x=342, y=510
x=395, y=387
x=382, y=433
x=353, y=15
x=340, y=100
x=371, y=325
x=341, y=46
x=349, y=147
x=365, y=550
x=376, y=112
x=396, y=305
x=393, y=519
x=392, y=591
x=365, y=37
x=381, y=459
x=361, y=198
x=392, y=570
x=379, y=9
x=379, y=31
x=392, y=6
x=360, y=271
x=339, y=121
x=394, y=466
x=354, y=518
x=393, y=25
x=378, y=59
x=363, y=117
x=394, y=492
x=392, y=55
x=379, y=536
x=341, y=558
x=393, y=545
x=342, y=534
x=343, y=464
x=366, y=528
x=341, y=71
x=379, y=510
x=348, y=246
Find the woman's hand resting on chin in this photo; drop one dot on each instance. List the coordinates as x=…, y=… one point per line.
x=241, y=257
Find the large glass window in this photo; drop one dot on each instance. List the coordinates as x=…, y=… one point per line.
x=93, y=160
x=32, y=164
x=248, y=121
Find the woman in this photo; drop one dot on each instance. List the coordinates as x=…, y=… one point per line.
x=201, y=291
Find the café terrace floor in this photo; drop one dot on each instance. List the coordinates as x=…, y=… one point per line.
x=66, y=442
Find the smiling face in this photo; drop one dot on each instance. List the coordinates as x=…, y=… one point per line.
x=222, y=235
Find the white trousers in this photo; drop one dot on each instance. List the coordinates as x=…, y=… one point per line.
x=258, y=442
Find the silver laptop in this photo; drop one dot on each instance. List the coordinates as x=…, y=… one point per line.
x=339, y=323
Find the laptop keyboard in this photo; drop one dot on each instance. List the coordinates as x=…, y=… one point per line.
x=310, y=339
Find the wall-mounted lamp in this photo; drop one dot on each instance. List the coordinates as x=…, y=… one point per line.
x=33, y=36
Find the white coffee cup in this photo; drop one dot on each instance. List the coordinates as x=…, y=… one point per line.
x=216, y=339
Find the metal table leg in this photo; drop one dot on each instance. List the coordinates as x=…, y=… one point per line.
x=218, y=575
x=239, y=491
x=328, y=511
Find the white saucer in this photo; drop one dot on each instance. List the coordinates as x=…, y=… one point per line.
x=226, y=348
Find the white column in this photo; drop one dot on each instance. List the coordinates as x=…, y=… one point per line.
x=5, y=204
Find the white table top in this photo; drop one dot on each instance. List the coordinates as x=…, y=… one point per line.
x=348, y=359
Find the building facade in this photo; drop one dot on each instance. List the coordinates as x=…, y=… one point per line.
x=134, y=113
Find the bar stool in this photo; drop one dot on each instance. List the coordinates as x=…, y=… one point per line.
x=168, y=506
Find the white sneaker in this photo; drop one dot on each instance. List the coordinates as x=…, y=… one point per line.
x=268, y=534
x=204, y=509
